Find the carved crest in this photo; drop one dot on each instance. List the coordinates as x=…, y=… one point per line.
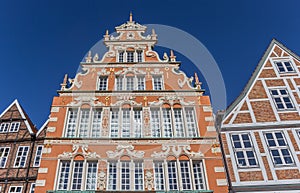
x=125, y=149
x=75, y=151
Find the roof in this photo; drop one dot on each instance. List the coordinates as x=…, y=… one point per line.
x=256, y=71
x=24, y=116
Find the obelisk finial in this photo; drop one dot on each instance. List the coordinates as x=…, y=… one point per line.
x=130, y=17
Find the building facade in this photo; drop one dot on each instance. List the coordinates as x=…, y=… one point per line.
x=260, y=130
x=20, y=150
x=130, y=121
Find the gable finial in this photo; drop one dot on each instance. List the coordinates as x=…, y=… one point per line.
x=197, y=82
x=64, y=83
x=130, y=17
x=172, y=56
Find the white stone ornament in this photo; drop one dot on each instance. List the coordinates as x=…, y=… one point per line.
x=125, y=149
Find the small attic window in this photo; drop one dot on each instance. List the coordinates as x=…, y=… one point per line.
x=284, y=66
x=14, y=127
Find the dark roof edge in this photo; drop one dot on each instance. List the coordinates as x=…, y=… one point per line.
x=256, y=71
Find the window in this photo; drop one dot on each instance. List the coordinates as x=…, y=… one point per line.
x=284, y=66
x=119, y=83
x=159, y=176
x=155, y=122
x=96, y=123
x=15, y=189
x=71, y=123
x=4, y=151
x=137, y=123
x=157, y=83
x=32, y=188
x=103, y=83
x=167, y=122
x=172, y=175
x=77, y=175
x=77, y=179
x=4, y=127
x=114, y=123
x=121, y=56
x=130, y=175
x=38, y=156
x=112, y=176
x=191, y=122
x=282, y=99
x=21, y=156
x=125, y=123
x=190, y=176
x=243, y=150
x=198, y=175
x=130, y=56
x=14, y=127
x=64, y=175
x=129, y=83
x=141, y=83
x=84, y=122
x=139, y=55
x=91, y=176
x=178, y=123
x=279, y=149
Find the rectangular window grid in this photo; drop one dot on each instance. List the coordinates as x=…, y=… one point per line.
x=167, y=123
x=77, y=175
x=96, y=123
x=198, y=175
x=71, y=123
x=130, y=56
x=64, y=174
x=4, y=152
x=185, y=175
x=172, y=175
x=282, y=99
x=112, y=176
x=244, y=151
x=129, y=83
x=178, y=123
x=138, y=176
x=84, y=122
x=15, y=189
x=141, y=83
x=119, y=83
x=279, y=149
x=284, y=66
x=137, y=123
x=155, y=123
x=102, y=83
x=38, y=156
x=14, y=127
x=125, y=175
x=21, y=156
x=191, y=122
x=4, y=127
x=125, y=123
x=157, y=83
x=121, y=56
x=91, y=176
x=114, y=124
x=159, y=176
x=139, y=55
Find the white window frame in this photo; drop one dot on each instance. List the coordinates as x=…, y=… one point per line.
x=284, y=66
x=282, y=98
x=71, y=127
x=155, y=113
x=84, y=122
x=65, y=175
x=167, y=123
x=93, y=178
x=121, y=53
x=38, y=156
x=122, y=82
x=112, y=183
x=196, y=177
x=154, y=83
x=16, y=189
x=159, y=175
x=127, y=56
x=76, y=173
x=96, y=127
x=244, y=150
x=14, y=126
x=32, y=188
x=17, y=163
x=278, y=147
x=140, y=55
x=100, y=84
x=4, y=155
x=4, y=127
x=191, y=126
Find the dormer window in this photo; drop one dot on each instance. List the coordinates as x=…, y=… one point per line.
x=284, y=66
x=130, y=56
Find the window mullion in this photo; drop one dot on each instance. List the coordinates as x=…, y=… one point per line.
x=78, y=118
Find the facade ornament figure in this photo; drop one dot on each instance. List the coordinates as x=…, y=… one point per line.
x=101, y=180
x=149, y=180
x=79, y=149
x=165, y=57
x=125, y=149
x=176, y=150
x=197, y=82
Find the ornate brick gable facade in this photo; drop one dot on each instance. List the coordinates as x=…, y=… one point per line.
x=130, y=121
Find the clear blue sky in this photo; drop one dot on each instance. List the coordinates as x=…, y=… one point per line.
x=40, y=41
